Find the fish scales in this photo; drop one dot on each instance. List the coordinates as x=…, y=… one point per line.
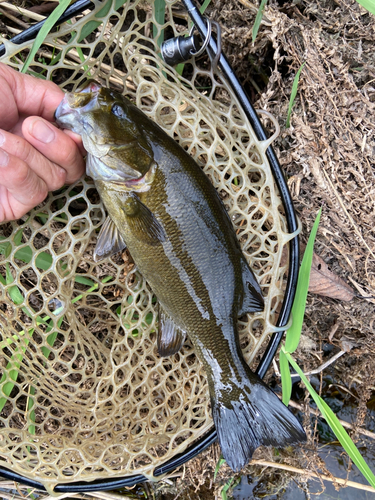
x=164, y=209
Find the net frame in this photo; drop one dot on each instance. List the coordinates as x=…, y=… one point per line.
x=143, y=93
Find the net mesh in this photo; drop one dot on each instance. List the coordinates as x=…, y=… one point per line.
x=84, y=394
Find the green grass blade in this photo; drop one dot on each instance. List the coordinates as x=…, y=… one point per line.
x=368, y=5
x=293, y=95
x=46, y=28
x=43, y=260
x=159, y=16
x=258, y=19
x=51, y=338
x=4, y=247
x=286, y=379
x=335, y=425
x=31, y=412
x=204, y=6
x=18, y=237
x=298, y=310
x=220, y=462
x=88, y=28
x=84, y=281
x=7, y=387
x=226, y=487
x=91, y=26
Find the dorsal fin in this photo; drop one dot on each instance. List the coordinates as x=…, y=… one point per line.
x=252, y=300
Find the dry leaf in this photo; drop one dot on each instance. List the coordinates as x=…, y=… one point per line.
x=325, y=282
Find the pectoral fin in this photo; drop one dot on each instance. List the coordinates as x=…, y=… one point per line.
x=142, y=221
x=170, y=336
x=109, y=241
x=252, y=300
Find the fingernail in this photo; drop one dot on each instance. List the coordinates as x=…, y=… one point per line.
x=4, y=158
x=2, y=138
x=41, y=131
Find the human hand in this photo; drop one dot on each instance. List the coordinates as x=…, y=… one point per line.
x=35, y=156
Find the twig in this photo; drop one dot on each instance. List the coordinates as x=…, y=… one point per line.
x=323, y=366
x=365, y=432
x=361, y=291
x=14, y=18
x=305, y=472
x=63, y=495
x=275, y=367
x=360, y=381
x=24, y=12
x=15, y=31
x=109, y=496
x=11, y=496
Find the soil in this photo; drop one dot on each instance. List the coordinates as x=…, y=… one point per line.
x=327, y=156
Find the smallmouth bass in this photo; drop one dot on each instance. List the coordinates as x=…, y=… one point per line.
x=164, y=209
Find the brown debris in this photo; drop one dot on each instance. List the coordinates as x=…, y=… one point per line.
x=325, y=282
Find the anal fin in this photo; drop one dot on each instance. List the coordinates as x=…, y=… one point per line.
x=109, y=241
x=170, y=336
x=252, y=300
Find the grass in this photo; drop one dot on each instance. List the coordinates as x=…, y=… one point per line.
x=258, y=19
x=86, y=30
x=44, y=262
x=159, y=15
x=368, y=5
x=291, y=343
x=293, y=94
x=46, y=28
x=286, y=360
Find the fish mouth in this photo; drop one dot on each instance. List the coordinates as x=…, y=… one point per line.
x=90, y=86
x=74, y=113
x=69, y=113
x=62, y=112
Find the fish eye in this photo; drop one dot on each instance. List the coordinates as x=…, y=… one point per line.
x=118, y=111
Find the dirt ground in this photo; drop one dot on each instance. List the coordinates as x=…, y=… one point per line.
x=327, y=156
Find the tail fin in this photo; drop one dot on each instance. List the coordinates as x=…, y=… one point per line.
x=254, y=416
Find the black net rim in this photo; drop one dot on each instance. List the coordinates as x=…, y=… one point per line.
x=204, y=442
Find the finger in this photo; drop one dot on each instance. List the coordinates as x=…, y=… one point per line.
x=77, y=139
x=28, y=95
x=53, y=175
x=55, y=145
x=20, y=188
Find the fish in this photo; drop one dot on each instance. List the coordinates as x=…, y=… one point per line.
x=163, y=208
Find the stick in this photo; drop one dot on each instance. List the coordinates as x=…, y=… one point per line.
x=323, y=366
x=305, y=472
x=365, y=432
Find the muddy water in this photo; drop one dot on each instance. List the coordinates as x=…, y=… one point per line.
x=345, y=406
